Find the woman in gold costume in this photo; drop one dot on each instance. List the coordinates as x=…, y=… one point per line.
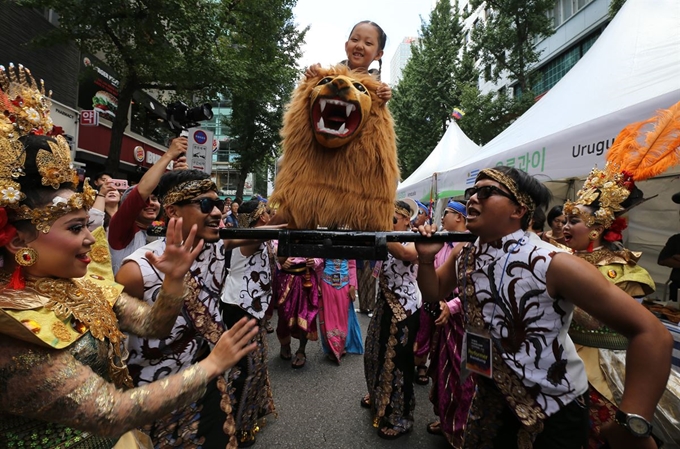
x=63, y=378
x=593, y=232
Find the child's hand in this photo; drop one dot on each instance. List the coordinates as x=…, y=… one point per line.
x=312, y=70
x=384, y=92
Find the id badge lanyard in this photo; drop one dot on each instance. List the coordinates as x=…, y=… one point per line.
x=477, y=350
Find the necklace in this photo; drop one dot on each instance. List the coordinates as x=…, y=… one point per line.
x=86, y=302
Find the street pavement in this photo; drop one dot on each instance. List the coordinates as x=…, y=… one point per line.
x=318, y=405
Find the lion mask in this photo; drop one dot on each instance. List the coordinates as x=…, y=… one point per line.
x=339, y=167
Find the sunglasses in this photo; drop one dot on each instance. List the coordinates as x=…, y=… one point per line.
x=485, y=192
x=206, y=204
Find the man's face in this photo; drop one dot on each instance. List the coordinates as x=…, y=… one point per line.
x=421, y=218
x=490, y=216
x=204, y=211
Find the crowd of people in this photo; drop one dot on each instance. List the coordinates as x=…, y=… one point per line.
x=528, y=339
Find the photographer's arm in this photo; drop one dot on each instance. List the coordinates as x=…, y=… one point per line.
x=150, y=180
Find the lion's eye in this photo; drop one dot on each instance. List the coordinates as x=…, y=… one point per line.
x=360, y=87
x=323, y=81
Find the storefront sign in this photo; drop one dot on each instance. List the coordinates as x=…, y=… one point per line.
x=139, y=153
x=99, y=88
x=89, y=118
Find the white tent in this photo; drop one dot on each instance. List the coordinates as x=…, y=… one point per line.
x=630, y=72
x=454, y=147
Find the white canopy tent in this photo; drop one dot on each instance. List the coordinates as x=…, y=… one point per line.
x=451, y=149
x=632, y=71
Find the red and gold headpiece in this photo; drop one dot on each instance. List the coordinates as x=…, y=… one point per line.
x=25, y=110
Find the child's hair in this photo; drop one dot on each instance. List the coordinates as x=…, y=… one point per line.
x=382, y=39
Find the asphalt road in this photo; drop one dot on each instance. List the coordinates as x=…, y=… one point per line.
x=318, y=405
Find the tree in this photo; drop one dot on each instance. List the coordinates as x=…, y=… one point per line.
x=167, y=45
x=428, y=92
x=505, y=42
x=504, y=46
x=263, y=83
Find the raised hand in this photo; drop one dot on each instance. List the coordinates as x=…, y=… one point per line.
x=178, y=255
x=312, y=70
x=232, y=346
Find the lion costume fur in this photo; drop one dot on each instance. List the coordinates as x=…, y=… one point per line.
x=347, y=186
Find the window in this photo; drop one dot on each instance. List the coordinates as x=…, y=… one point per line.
x=554, y=70
x=565, y=9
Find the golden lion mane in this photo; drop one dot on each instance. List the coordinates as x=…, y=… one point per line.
x=352, y=186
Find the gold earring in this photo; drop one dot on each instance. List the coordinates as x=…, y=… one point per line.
x=26, y=256
x=593, y=235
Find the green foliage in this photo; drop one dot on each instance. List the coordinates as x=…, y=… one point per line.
x=505, y=41
x=193, y=48
x=429, y=90
x=265, y=76
x=504, y=47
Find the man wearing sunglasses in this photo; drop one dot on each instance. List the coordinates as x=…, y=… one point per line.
x=518, y=295
x=192, y=196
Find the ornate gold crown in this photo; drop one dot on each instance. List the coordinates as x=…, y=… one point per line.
x=25, y=110
x=610, y=187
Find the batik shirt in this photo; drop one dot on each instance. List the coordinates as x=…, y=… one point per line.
x=249, y=282
x=528, y=326
x=200, y=320
x=400, y=277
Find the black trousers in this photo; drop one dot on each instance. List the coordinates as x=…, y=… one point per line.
x=566, y=429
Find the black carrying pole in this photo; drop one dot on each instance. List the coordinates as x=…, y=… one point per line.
x=359, y=245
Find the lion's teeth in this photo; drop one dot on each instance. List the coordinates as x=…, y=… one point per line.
x=322, y=105
x=348, y=109
x=341, y=130
x=321, y=124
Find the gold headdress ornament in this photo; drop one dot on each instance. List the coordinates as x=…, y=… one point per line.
x=609, y=187
x=522, y=198
x=641, y=151
x=188, y=190
x=25, y=110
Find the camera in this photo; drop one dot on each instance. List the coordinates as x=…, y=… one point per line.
x=181, y=117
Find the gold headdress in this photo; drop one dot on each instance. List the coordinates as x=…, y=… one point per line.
x=522, y=198
x=641, y=150
x=609, y=187
x=25, y=110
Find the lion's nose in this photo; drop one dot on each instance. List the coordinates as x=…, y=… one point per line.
x=341, y=84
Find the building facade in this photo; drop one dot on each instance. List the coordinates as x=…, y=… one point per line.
x=400, y=58
x=577, y=23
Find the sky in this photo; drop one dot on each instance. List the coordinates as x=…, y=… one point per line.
x=330, y=26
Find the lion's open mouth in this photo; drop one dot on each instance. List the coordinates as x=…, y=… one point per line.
x=335, y=117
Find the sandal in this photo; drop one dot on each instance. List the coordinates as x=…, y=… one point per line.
x=382, y=433
x=435, y=428
x=300, y=360
x=421, y=375
x=365, y=401
x=285, y=352
x=268, y=327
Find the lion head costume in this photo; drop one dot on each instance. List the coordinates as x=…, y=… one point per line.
x=339, y=167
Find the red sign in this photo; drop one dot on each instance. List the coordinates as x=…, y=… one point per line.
x=89, y=118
